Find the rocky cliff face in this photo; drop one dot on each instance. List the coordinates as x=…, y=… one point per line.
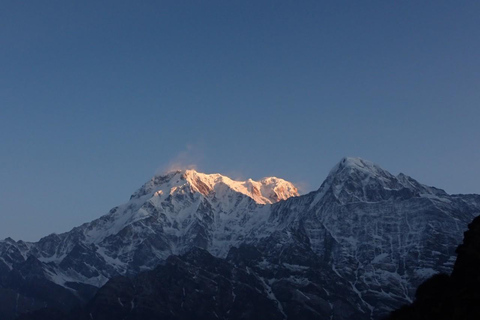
x=454, y=297
x=357, y=247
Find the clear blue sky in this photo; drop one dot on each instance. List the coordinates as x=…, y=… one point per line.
x=97, y=96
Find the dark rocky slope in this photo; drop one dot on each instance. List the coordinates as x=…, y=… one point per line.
x=200, y=286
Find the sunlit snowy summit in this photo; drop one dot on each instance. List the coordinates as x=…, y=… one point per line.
x=267, y=190
x=356, y=248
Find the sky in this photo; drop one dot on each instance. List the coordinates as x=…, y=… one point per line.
x=98, y=96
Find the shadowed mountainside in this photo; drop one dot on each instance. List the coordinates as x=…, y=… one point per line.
x=454, y=297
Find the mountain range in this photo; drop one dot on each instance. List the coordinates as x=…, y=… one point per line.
x=189, y=244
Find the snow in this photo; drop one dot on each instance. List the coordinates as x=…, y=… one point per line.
x=294, y=267
x=271, y=295
x=61, y=277
x=303, y=294
x=9, y=265
x=115, y=262
x=425, y=272
x=266, y=191
x=380, y=257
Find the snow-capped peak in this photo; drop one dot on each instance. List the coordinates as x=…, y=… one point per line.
x=266, y=191
x=355, y=179
x=179, y=196
x=360, y=172
x=350, y=164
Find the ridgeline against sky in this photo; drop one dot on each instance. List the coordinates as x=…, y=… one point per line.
x=97, y=97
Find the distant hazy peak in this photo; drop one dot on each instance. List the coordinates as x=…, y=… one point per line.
x=267, y=190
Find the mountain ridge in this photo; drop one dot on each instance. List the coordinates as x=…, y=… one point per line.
x=264, y=191
x=378, y=235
